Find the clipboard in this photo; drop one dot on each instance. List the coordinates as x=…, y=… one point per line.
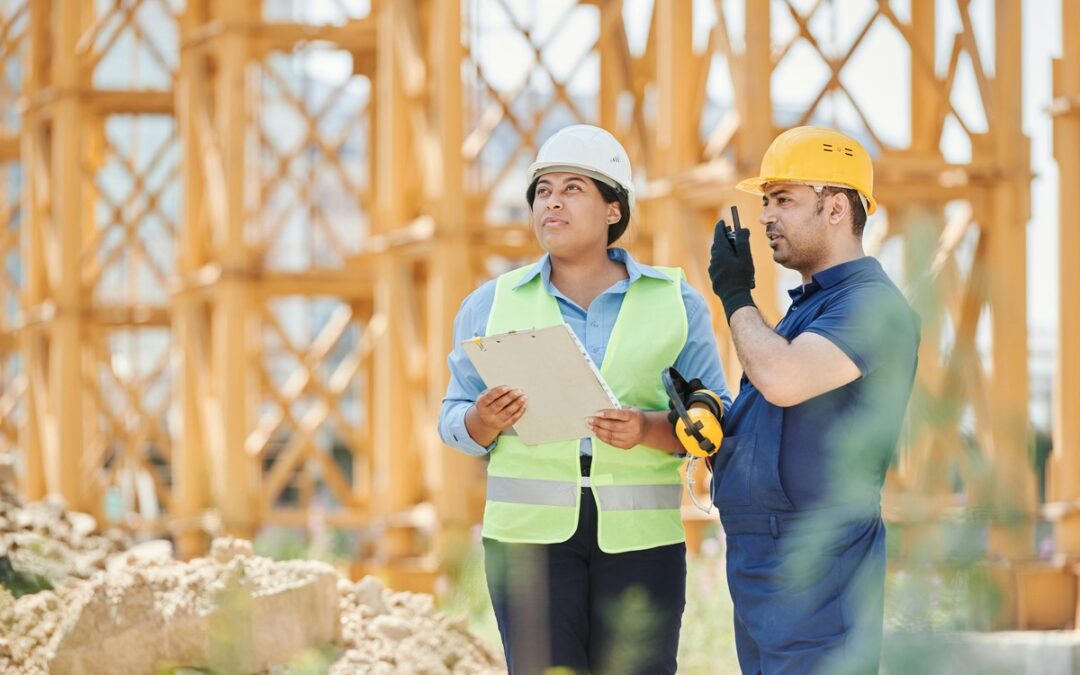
x=551, y=366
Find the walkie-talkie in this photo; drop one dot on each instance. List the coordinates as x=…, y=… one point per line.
x=729, y=232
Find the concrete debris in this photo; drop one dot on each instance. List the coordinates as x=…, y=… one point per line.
x=156, y=549
x=240, y=616
x=44, y=539
x=392, y=633
x=231, y=612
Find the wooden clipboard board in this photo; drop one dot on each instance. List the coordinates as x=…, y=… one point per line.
x=562, y=383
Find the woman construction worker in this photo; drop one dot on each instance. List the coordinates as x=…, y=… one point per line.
x=591, y=579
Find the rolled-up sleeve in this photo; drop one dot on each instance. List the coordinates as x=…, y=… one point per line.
x=700, y=356
x=465, y=383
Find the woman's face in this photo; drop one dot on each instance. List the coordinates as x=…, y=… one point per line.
x=570, y=216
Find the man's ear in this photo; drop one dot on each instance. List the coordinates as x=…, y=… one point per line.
x=839, y=208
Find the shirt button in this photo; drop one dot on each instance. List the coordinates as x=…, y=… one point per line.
x=595, y=324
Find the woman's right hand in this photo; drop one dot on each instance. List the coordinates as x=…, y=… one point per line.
x=495, y=410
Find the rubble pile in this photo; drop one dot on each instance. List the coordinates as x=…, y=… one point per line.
x=103, y=607
x=397, y=633
x=230, y=612
x=43, y=544
x=76, y=600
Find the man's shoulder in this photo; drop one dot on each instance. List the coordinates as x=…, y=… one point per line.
x=872, y=292
x=871, y=306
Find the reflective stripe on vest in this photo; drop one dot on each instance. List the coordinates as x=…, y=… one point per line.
x=562, y=493
x=638, y=497
x=534, y=491
x=531, y=491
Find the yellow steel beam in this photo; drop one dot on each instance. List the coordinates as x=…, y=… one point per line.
x=9, y=148
x=1007, y=218
x=921, y=223
x=453, y=476
x=925, y=120
x=356, y=35
x=1065, y=464
x=396, y=465
x=612, y=82
x=63, y=463
x=233, y=473
x=676, y=144
x=189, y=462
x=104, y=101
x=753, y=101
x=32, y=435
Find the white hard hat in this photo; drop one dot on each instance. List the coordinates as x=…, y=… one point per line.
x=589, y=151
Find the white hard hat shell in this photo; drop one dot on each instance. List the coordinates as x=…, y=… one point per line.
x=587, y=150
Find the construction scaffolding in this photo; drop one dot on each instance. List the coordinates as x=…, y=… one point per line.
x=235, y=234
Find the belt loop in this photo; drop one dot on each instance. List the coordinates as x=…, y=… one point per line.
x=774, y=527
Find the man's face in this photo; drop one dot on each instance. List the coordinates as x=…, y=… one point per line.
x=797, y=230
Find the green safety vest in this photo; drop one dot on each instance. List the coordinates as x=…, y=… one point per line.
x=533, y=491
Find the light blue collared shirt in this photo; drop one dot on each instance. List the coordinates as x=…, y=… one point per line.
x=699, y=356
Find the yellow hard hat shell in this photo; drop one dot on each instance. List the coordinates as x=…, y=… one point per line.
x=816, y=156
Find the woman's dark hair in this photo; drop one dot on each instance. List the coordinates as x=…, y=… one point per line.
x=610, y=195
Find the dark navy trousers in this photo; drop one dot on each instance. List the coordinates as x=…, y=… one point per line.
x=572, y=605
x=809, y=601
x=807, y=585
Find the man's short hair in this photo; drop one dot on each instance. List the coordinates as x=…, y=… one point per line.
x=858, y=211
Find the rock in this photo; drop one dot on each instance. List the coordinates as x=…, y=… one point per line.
x=224, y=549
x=82, y=524
x=155, y=550
x=395, y=628
x=370, y=592
x=240, y=616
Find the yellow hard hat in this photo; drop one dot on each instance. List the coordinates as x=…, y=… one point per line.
x=816, y=156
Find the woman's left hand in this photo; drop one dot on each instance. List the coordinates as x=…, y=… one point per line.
x=623, y=428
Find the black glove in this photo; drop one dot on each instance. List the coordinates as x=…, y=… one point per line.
x=685, y=389
x=731, y=268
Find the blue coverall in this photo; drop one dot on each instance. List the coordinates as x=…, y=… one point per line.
x=798, y=488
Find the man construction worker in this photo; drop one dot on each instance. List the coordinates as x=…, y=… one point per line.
x=809, y=438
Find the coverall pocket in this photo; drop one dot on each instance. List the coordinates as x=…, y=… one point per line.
x=733, y=470
x=812, y=587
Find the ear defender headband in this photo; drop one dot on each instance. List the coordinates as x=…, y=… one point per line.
x=698, y=428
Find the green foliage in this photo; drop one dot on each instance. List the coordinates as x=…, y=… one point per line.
x=281, y=543
x=466, y=595
x=925, y=599
x=20, y=583
x=707, y=641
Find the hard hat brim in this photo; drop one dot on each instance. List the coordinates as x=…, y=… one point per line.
x=538, y=169
x=756, y=186
x=752, y=185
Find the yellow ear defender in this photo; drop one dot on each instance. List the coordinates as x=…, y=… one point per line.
x=699, y=413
